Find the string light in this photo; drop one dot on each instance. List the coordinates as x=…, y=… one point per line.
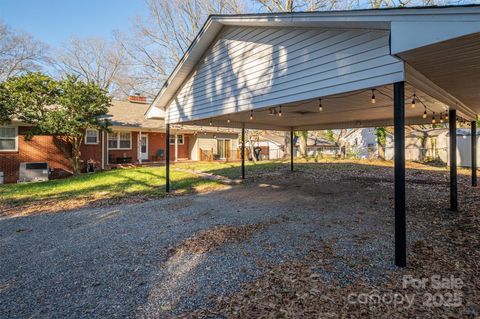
x=373, y=96
x=320, y=106
x=425, y=113
x=251, y=115
x=413, y=101
x=446, y=116
x=210, y=123
x=280, y=111
x=228, y=119
x=433, y=118
x=441, y=117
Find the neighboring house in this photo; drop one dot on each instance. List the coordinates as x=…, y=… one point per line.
x=272, y=145
x=434, y=145
x=319, y=145
x=420, y=145
x=362, y=143
x=132, y=139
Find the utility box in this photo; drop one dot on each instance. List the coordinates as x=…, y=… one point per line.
x=33, y=172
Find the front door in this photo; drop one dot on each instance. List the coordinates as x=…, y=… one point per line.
x=144, y=147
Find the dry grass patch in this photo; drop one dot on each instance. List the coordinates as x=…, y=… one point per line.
x=210, y=239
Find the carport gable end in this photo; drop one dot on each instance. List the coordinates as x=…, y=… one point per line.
x=251, y=62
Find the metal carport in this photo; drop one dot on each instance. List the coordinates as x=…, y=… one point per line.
x=330, y=70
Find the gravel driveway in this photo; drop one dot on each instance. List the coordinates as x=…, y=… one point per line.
x=118, y=262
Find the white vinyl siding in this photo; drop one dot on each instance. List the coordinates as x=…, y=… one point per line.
x=91, y=137
x=8, y=138
x=250, y=68
x=120, y=141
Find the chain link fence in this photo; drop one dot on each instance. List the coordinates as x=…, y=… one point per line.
x=416, y=154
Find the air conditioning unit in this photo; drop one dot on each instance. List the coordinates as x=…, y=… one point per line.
x=33, y=172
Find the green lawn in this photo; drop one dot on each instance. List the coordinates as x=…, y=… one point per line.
x=125, y=185
x=233, y=170
x=146, y=181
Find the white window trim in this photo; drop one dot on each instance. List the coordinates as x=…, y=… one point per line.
x=98, y=136
x=118, y=141
x=178, y=135
x=16, y=140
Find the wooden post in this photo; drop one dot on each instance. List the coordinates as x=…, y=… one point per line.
x=474, y=152
x=399, y=139
x=167, y=159
x=452, y=118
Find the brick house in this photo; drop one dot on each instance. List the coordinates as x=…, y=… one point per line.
x=132, y=139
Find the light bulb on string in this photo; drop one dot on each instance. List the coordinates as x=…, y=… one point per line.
x=446, y=116
x=425, y=113
x=251, y=115
x=280, y=111
x=413, y=101
x=373, y=96
x=433, y=118
x=210, y=123
x=441, y=117
x=320, y=106
x=228, y=119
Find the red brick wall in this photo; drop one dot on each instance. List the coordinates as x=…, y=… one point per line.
x=38, y=149
x=43, y=149
x=156, y=141
x=93, y=152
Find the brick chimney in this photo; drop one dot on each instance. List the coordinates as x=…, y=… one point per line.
x=137, y=98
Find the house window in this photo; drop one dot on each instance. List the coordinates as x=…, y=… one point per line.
x=8, y=139
x=179, y=139
x=91, y=137
x=120, y=140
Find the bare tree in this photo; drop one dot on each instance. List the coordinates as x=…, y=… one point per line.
x=96, y=60
x=19, y=53
x=299, y=5
x=160, y=40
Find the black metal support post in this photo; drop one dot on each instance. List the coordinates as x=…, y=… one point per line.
x=474, y=152
x=243, y=152
x=452, y=125
x=291, y=150
x=167, y=159
x=399, y=139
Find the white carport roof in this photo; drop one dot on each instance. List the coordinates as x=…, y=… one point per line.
x=438, y=49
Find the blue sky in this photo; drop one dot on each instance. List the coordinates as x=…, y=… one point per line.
x=54, y=21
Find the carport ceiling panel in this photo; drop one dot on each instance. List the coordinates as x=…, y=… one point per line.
x=453, y=65
x=353, y=108
x=256, y=67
